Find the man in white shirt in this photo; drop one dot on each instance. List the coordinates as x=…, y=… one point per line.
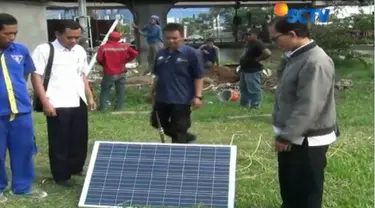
x=65, y=101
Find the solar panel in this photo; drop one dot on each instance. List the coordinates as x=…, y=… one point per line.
x=126, y=174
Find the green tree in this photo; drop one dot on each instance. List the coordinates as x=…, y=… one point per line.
x=249, y=17
x=192, y=26
x=123, y=29
x=363, y=22
x=200, y=24
x=204, y=20
x=338, y=37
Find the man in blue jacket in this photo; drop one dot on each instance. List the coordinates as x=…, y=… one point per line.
x=153, y=33
x=16, y=124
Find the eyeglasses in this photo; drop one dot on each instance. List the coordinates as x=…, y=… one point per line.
x=274, y=39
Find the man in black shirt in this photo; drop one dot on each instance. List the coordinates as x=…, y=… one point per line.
x=250, y=83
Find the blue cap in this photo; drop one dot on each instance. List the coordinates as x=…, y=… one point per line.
x=155, y=17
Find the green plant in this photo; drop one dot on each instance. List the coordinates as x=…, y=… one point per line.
x=123, y=29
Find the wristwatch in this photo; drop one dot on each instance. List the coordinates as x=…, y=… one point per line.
x=200, y=98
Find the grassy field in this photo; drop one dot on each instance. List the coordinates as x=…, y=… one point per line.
x=349, y=175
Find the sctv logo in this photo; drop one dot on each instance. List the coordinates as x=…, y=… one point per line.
x=297, y=15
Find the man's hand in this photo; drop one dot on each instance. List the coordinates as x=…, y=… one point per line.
x=92, y=104
x=282, y=146
x=49, y=110
x=124, y=70
x=196, y=103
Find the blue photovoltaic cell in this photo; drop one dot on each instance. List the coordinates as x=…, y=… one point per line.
x=160, y=175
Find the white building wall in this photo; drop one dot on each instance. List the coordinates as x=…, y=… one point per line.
x=32, y=23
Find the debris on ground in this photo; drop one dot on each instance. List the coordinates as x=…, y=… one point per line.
x=215, y=79
x=139, y=80
x=227, y=77
x=133, y=76
x=344, y=84
x=249, y=116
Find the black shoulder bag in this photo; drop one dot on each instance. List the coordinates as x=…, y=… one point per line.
x=38, y=106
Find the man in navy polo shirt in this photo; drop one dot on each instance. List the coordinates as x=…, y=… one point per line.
x=177, y=86
x=210, y=53
x=16, y=124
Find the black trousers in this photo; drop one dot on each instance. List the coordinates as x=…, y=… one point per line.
x=175, y=120
x=67, y=141
x=301, y=176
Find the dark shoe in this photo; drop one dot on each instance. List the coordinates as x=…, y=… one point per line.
x=188, y=138
x=254, y=107
x=191, y=138
x=64, y=183
x=79, y=174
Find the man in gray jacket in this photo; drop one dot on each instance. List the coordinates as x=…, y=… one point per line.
x=304, y=115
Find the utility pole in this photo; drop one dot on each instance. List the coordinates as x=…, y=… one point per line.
x=85, y=22
x=82, y=17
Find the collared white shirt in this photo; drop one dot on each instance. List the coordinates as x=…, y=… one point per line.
x=313, y=141
x=316, y=140
x=291, y=52
x=288, y=54
x=66, y=86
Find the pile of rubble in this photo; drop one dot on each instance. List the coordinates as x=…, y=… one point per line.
x=344, y=84
x=227, y=77
x=216, y=79
x=133, y=77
